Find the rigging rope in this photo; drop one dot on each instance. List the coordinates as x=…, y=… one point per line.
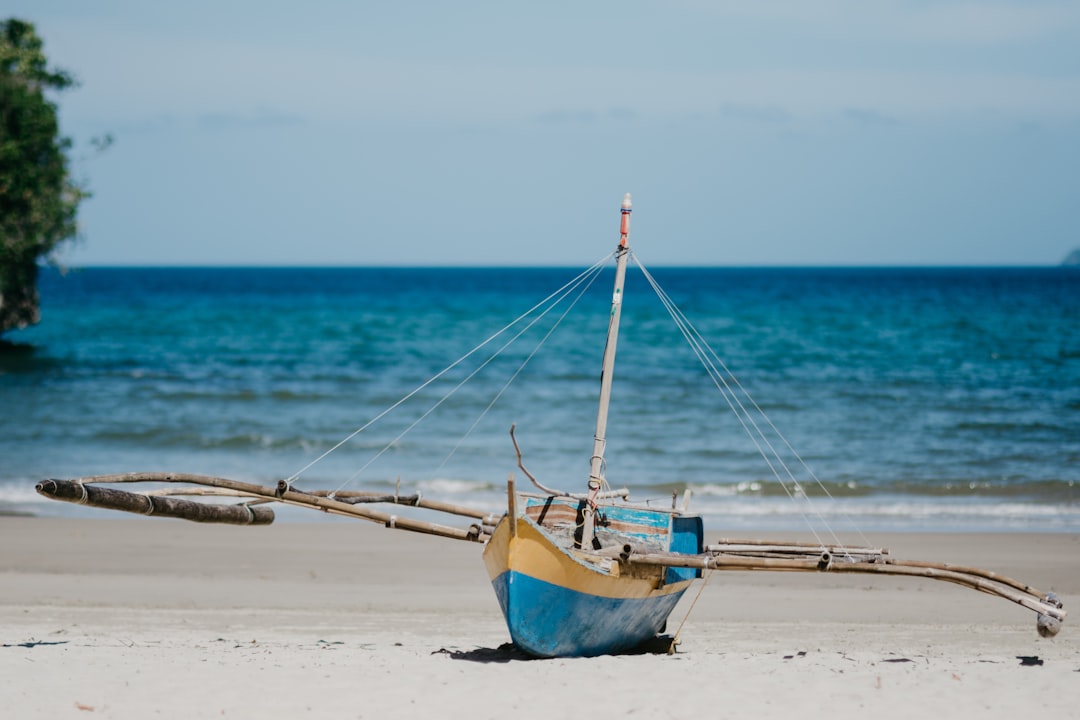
x=553, y=298
x=435, y=406
x=693, y=603
x=722, y=377
x=710, y=360
x=585, y=285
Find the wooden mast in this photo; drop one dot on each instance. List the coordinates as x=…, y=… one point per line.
x=596, y=469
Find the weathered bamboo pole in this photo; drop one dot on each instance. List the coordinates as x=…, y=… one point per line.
x=979, y=572
x=511, y=505
x=410, y=500
x=290, y=497
x=1042, y=604
x=356, y=497
x=724, y=542
x=769, y=549
x=191, y=478
x=350, y=496
x=452, y=509
x=796, y=547
x=765, y=548
x=112, y=499
x=199, y=492
x=416, y=500
x=336, y=507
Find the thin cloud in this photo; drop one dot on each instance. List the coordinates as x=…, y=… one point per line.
x=990, y=23
x=757, y=114
x=260, y=118
x=567, y=117
x=969, y=23
x=869, y=118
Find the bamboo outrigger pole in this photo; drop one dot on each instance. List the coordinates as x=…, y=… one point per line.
x=805, y=559
x=146, y=504
x=746, y=555
x=84, y=491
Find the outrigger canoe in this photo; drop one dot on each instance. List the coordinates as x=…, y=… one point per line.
x=576, y=573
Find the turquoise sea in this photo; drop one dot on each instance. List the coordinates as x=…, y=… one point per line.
x=921, y=398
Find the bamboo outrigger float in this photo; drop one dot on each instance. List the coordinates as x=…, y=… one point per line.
x=576, y=574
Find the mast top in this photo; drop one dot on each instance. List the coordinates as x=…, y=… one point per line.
x=624, y=229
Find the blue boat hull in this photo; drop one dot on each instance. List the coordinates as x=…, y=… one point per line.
x=551, y=621
x=559, y=604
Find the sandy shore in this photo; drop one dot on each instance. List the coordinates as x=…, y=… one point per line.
x=138, y=618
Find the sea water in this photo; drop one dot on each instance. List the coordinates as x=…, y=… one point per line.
x=919, y=398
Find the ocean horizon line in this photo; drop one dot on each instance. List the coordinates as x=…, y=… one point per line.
x=67, y=268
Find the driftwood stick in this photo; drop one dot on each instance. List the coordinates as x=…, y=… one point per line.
x=528, y=474
x=606, y=494
x=125, y=501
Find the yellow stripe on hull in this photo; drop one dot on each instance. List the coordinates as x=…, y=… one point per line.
x=533, y=553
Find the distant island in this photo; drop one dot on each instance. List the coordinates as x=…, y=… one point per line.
x=1072, y=258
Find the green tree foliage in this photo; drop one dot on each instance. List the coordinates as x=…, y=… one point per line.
x=38, y=198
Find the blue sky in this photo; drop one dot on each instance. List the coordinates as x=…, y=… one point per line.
x=836, y=132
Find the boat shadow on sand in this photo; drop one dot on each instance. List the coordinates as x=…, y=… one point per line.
x=508, y=652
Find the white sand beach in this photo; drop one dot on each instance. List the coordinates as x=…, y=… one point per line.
x=139, y=618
